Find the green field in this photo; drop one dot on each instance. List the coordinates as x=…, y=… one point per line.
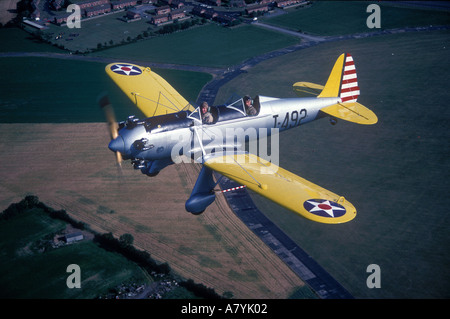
x=105, y=30
x=17, y=40
x=64, y=91
x=46, y=278
x=346, y=17
x=394, y=172
x=209, y=45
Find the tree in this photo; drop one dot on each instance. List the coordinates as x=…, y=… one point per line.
x=126, y=239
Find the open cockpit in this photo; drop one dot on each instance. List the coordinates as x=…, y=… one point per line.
x=237, y=109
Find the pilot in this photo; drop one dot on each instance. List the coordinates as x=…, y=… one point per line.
x=207, y=117
x=249, y=108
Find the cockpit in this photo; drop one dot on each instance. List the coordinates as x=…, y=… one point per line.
x=237, y=108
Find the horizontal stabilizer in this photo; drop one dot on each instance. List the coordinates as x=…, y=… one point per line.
x=300, y=88
x=352, y=112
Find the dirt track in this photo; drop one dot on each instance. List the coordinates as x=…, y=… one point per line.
x=69, y=166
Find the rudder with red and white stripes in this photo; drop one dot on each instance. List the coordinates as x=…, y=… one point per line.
x=349, y=91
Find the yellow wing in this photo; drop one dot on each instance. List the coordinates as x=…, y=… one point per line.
x=150, y=92
x=283, y=187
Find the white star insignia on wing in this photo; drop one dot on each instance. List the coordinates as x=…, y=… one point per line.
x=127, y=69
x=324, y=206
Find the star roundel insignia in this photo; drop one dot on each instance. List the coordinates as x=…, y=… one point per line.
x=126, y=69
x=324, y=208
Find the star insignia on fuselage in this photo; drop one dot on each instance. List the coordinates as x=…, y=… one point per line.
x=324, y=208
x=126, y=69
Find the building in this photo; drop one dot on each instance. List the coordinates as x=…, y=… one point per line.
x=90, y=3
x=73, y=237
x=177, y=14
x=159, y=19
x=162, y=10
x=121, y=4
x=133, y=15
x=287, y=3
x=61, y=17
x=94, y=11
x=257, y=8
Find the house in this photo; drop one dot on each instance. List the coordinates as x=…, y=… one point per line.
x=94, y=11
x=90, y=3
x=177, y=14
x=287, y=3
x=121, y=4
x=73, y=237
x=176, y=3
x=159, y=19
x=61, y=17
x=133, y=15
x=162, y=10
x=256, y=8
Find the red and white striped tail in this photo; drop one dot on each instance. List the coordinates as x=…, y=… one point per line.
x=349, y=84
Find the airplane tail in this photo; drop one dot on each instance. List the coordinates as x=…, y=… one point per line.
x=343, y=83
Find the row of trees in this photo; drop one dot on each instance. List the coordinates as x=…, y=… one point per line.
x=30, y=202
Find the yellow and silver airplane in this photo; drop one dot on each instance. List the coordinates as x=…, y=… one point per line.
x=175, y=127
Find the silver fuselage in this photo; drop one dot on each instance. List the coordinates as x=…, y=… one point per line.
x=181, y=133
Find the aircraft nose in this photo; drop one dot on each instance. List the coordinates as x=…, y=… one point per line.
x=117, y=145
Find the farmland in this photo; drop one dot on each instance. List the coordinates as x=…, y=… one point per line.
x=80, y=176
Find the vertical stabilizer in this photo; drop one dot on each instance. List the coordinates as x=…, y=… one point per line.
x=342, y=81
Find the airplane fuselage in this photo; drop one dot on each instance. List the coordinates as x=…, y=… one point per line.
x=156, y=142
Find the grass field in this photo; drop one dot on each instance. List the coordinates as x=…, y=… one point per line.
x=64, y=91
x=17, y=40
x=101, y=270
x=347, y=17
x=209, y=45
x=97, y=30
x=395, y=172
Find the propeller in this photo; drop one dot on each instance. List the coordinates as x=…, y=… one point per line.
x=113, y=127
